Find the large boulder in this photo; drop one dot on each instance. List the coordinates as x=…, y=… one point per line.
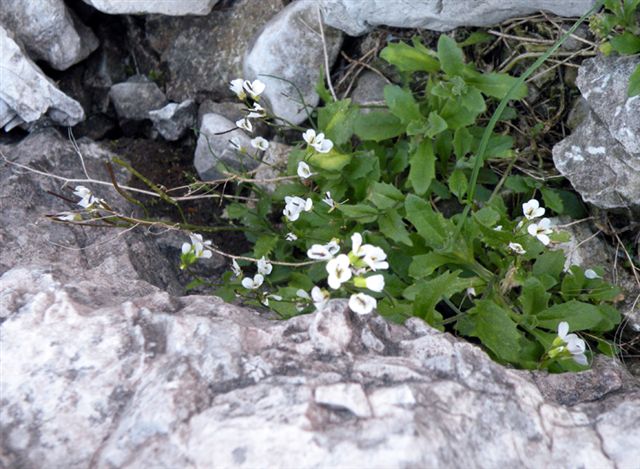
x=201, y=55
x=161, y=381
x=27, y=94
x=49, y=31
x=290, y=48
x=146, y=7
x=601, y=157
x=357, y=17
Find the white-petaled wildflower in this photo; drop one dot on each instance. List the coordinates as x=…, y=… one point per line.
x=237, y=88
x=320, y=297
x=498, y=228
x=197, y=247
x=236, y=145
x=87, y=198
x=591, y=274
x=517, y=248
x=356, y=245
x=374, y=257
x=265, y=300
x=235, y=268
x=303, y=170
x=541, y=230
x=260, y=143
x=256, y=112
x=317, y=141
x=68, y=216
x=339, y=271
x=245, y=124
x=329, y=201
x=254, y=88
x=361, y=303
x=323, y=252
x=294, y=206
x=532, y=209
x=471, y=292
x=264, y=266
x=290, y=237
x=373, y=282
x=571, y=343
x=253, y=283
x=333, y=246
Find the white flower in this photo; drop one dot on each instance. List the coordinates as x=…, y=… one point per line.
x=236, y=87
x=574, y=345
x=339, y=271
x=362, y=304
x=235, y=268
x=256, y=112
x=86, y=197
x=68, y=216
x=323, y=252
x=333, y=246
x=517, y=248
x=264, y=266
x=253, y=283
x=356, y=244
x=265, y=300
x=260, y=143
x=254, y=88
x=532, y=209
x=197, y=247
x=498, y=228
x=303, y=170
x=320, y=297
x=541, y=230
x=374, y=257
x=294, y=206
x=591, y=274
x=321, y=144
x=235, y=144
x=244, y=124
x=290, y=237
x=375, y=283
x=329, y=201
x=471, y=292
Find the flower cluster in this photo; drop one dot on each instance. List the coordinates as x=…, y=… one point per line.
x=264, y=268
x=542, y=229
x=87, y=199
x=568, y=345
x=294, y=206
x=196, y=249
x=250, y=89
x=242, y=88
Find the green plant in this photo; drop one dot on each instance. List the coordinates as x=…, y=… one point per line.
x=619, y=28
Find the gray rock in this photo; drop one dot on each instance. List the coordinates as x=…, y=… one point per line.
x=214, y=150
x=290, y=47
x=273, y=165
x=174, y=119
x=357, y=17
x=134, y=98
x=603, y=83
x=146, y=7
x=49, y=31
x=202, y=55
x=28, y=93
x=370, y=89
x=160, y=381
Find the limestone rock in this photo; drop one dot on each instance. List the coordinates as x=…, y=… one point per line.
x=27, y=93
x=290, y=47
x=213, y=150
x=357, y=17
x=370, y=90
x=174, y=119
x=201, y=55
x=147, y=7
x=160, y=381
x=134, y=98
x=273, y=165
x=49, y=31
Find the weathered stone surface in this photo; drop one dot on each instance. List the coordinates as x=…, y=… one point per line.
x=49, y=31
x=193, y=382
x=356, y=17
x=134, y=98
x=27, y=93
x=202, y=55
x=146, y=7
x=212, y=149
x=290, y=47
x=603, y=83
x=273, y=165
x=174, y=119
x=370, y=89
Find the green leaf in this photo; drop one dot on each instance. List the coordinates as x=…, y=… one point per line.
x=378, y=126
x=458, y=183
x=626, y=43
x=476, y=37
x=552, y=200
x=580, y=316
x=450, y=55
x=462, y=140
x=402, y=104
x=409, y=59
x=360, y=212
x=429, y=224
x=634, y=83
x=392, y=226
x=423, y=169
x=495, y=85
x=424, y=265
x=497, y=331
x=332, y=161
x=435, y=124
x=534, y=297
x=385, y=196
x=336, y=120
x=488, y=216
x=264, y=245
x=550, y=263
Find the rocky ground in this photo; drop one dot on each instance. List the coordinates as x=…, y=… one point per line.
x=104, y=362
